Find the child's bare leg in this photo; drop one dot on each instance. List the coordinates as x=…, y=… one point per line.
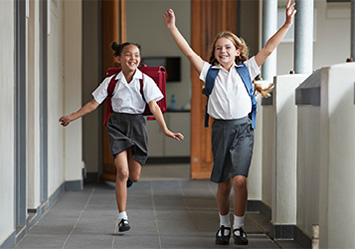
x=223, y=192
x=121, y=164
x=134, y=167
x=240, y=194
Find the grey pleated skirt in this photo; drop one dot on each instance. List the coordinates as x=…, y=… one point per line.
x=128, y=131
x=232, y=147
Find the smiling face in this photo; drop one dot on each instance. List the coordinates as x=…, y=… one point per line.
x=225, y=52
x=130, y=58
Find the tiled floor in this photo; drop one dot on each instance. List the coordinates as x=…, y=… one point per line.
x=162, y=213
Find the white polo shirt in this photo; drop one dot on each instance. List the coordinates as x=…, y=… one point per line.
x=229, y=98
x=126, y=96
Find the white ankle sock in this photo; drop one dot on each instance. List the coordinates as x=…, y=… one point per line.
x=238, y=222
x=224, y=220
x=122, y=215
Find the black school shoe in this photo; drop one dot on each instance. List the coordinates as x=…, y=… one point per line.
x=129, y=182
x=223, y=239
x=240, y=237
x=123, y=225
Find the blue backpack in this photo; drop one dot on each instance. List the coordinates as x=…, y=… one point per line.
x=244, y=74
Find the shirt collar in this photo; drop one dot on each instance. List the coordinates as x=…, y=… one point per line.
x=218, y=66
x=137, y=75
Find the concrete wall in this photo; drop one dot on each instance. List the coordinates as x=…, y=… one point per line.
x=73, y=89
x=33, y=108
x=337, y=156
x=308, y=167
x=7, y=124
x=268, y=155
x=64, y=93
x=56, y=96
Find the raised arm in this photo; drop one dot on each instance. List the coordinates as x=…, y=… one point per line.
x=275, y=40
x=154, y=108
x=89, y=107
x=196, y=61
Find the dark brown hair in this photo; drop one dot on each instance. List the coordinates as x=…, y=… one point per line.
x=119, y=47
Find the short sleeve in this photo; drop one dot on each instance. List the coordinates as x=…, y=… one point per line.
x=150, y=90
x=204, y=71
x=254, y=69
x=100, y=93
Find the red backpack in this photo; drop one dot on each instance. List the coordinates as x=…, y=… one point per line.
x=158, y=74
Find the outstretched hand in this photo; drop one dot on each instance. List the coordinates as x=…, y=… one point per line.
x=64, y=121
x=169, y=18
x=176, y=136
x=290, y=13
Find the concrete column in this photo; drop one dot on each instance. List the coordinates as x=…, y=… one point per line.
x=353, y=29
x=303, y=59
x=284, y=177
x=269, y=29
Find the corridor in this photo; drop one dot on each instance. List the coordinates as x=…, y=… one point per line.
x=174, y=213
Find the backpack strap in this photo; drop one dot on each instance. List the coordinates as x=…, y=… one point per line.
x=110, y=89
x=141, y=86
x=210, y=79
x=245, y=75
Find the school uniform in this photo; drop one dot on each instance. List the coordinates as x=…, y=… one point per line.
x=126, y=127
x=229, y=105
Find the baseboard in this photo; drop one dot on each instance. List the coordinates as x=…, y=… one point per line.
x=282, y=231
x=91, y=177
x=36, y=213
x=167, y=160
x=77, y=185
x=302, y=239
x=278, y=231
x=259, y=206
x=9, y=242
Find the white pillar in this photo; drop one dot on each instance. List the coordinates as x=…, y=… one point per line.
x=269, y=29
x=303, y=60
x=353, y=29
x=337, y=157
x=284, y=177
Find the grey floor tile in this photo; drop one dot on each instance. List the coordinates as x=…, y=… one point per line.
x=42, y=241
x=89, y=241
x=179, y=242
x=162, y=214
x=177, y=222
x=133, y=241
x=288, y=244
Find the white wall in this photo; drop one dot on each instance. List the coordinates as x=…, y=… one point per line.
x=337, y=156
x=268, y=153
x=308, y=167
x=56, y=103
x=33, y=108
x=7, y=124
x=145, y=25
x=73, y=89
x=285, y=164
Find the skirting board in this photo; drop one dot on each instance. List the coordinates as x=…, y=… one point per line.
x=36, y=213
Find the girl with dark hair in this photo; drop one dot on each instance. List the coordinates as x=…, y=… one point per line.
x=126, y=127
x=232, y=105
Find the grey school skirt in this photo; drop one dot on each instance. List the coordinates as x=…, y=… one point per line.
x=232, y=147
x=128, y=131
